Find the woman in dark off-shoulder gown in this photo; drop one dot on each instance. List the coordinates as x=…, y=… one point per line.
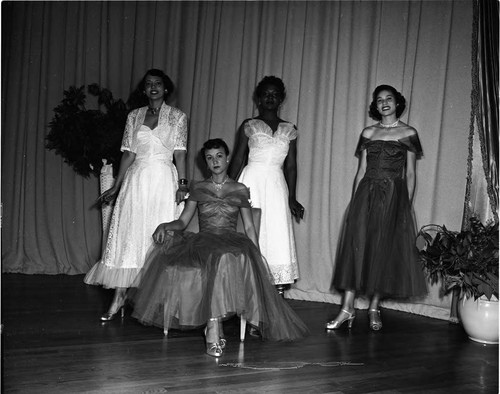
x=376, y=255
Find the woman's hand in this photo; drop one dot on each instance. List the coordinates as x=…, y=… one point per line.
x=181, y=193
x=108, y=196
x=296, y=208
x=160, y=233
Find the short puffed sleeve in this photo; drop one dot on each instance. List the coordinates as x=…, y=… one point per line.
x=194, y=192
x=250, y=127
x=363, y=141
x=181, y=133
x=129, y=141
x=289, y=130
x=412, y=143
x=244, y=197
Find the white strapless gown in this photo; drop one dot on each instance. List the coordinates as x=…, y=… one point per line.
x=264, y=176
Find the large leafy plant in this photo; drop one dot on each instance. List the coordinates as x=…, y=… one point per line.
x=467, y=260
x=84, y=137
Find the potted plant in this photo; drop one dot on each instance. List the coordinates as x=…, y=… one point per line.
x=89, y=140
x=466, y=260
x=85, y=137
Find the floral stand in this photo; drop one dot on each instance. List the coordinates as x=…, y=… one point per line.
x=106, y=181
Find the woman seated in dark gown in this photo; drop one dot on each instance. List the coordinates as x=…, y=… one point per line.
x=198, y=279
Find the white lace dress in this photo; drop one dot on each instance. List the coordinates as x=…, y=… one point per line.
x=264, y=176
x=146, y=197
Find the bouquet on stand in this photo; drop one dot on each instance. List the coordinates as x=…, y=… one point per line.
x=89, y=140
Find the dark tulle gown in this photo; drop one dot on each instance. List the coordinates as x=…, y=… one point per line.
x=217, y=272
x=377, y=252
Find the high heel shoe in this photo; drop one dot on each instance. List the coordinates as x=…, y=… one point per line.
x=108, y=316
x=214, y=349
x=336, y=324
x=375, y=320
x=222, y=338
x=118, y=305
x=254, y=332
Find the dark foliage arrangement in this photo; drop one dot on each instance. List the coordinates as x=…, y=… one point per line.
x=467, y=260
x=84, y=137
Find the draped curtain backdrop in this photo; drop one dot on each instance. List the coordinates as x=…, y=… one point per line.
x=330, y=54
x=481, y=197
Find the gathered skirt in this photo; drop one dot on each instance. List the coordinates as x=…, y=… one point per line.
x=193, y=277
x=377, y=252
x=269, y=192
x=146, y=199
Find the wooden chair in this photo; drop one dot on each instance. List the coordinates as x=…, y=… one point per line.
x=193, y=226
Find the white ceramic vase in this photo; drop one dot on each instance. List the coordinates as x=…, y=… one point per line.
x=106, y=181
x=480, y=319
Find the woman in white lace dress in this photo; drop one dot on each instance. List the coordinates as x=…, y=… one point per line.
x=148, y=189
x=270, y=145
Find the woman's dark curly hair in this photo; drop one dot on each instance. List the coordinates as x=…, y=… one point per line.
x=400, y=102
x=138, y=98
x=269, y=80
x=215, y=143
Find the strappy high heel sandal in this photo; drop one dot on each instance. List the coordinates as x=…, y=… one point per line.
x=222, y=338
x=118, y=305
x=214, y=349
x=336, y=324
x=254, y=332
x=108, y=316
x=375, y=320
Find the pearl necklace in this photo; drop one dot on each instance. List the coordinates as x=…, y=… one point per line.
x=154, y=111
x=218, y=186
x=389, y=126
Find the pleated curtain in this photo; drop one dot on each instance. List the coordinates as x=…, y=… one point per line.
x=330, y=54
x=481, y=194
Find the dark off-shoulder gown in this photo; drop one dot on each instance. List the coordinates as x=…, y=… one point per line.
x=377, y=252
x=217, y=272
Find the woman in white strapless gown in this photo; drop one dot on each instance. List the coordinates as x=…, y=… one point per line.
x=147, y=188
x=270, y=145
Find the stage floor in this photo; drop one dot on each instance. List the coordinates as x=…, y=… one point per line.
x=53, y=342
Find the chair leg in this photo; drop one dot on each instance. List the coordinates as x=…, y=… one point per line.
x=243, y=327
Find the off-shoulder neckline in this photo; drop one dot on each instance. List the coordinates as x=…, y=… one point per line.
x=397, y=140
x=238, y=191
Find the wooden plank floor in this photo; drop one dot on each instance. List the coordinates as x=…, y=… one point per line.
x=53, y=342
